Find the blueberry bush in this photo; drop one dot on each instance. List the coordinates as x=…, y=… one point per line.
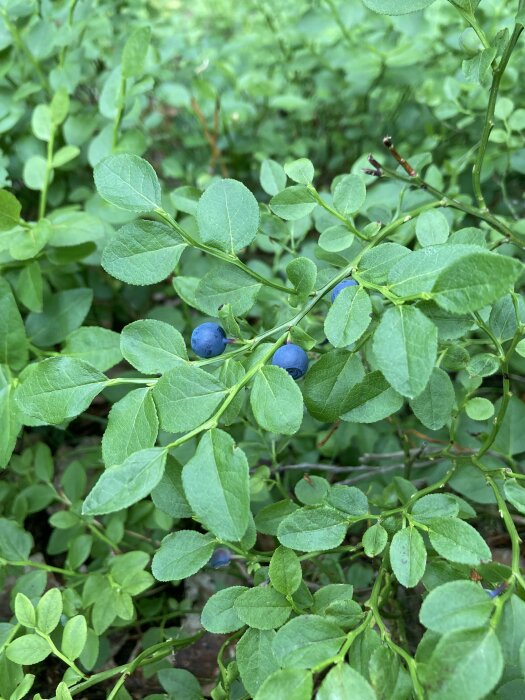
x=262, y=341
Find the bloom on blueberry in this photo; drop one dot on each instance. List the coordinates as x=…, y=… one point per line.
x=339, y=287
x=292, y=358
x=208, y=340
x=220, y=557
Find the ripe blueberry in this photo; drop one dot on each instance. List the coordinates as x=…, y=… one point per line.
x=208, y=340
x=220, y=557
x=339, y=287
x=292, y=358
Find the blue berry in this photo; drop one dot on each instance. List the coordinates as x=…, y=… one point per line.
x=220, y=557
x=292, y=358
x=339, y=287
x=208, y=340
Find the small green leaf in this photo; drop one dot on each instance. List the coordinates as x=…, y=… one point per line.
x=228, y=215
x=134, y=53
x=143, y=252
x=152, y=347
x=306, y=641
x=433, y=407
x=405, y=346
x=27, y=650
x=58, y=389
x=132, y=426
x=272, y=177
x=10, y=209
x=128, y=182
x=301, y=171
x=24, y=611
x=287, y=684
x=293, y=203
x=255, y=658
x=49, y=610
x=182, y=554
x=224, y=505
x=348, y=317
x=285, y=571
x=432, y=228
x=349, y=194
x=457, y=541
x=311, y=529
x=408, y=556
x=276, y=401
x=263, y=608
x=219, y=614
x=74, y=637
x=344, y=681
x=479, y=408
x=374, y=540
x=124, y=484
x=302, y=273
x=456, y=605
x=328, y=383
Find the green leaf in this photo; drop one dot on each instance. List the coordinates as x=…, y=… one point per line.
x=328, y=383
x=49, y=610
x=143, y=252
x=479, y=408
x=24, y=611
x=473, y=282
x=255, y=658
x=41, y=123
x=272, y=177
x=234, y=287
x=293, y=203
x=348, y=317
x=336, y=238
x=132, y=426
x=432, y=228
x=168, y=495
x=35, y=173
x=63, y=313
x=349, y=194
x=503, y=321
x=10, y=209
x=62, y=692
x=267, y=519
x=74, y=637
x=377, y=262
x=29, y=287
x=301, y=171
x=456, y=605
x=59, y=106
x=186, y=396
x=152, y=347
x=58, y=389
x=287, y=684
x=458, y=541
x=15, y=542
x=348, y=499
x=100, y=347
x=263, y=608
x=27, y=650
x=405, y=347
x=13, y=341
x=23, y=688
x=464, y=664
x=219, y=614
x=224, y=505
x=312, y=490
x=228, y=215
x=302, y=273
x=128, y=182
x=374, y=540
x=182, y=554
x=435, y=505
x=276, y=401
x=408, y=556
x=511, y=437
x=9, y=418
x=285, y=571
x=515, y=494
x=312, y=529
x=400, y=7
x=28, y=242
x=345, y=682
x=433, y=407
x=65, y=155
x=124, y=484
x=306, y=641
x=134, y=53
x=179, y=683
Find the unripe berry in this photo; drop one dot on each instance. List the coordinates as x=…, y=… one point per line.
x=208, y=340
x=292, y=358
x=342, y=285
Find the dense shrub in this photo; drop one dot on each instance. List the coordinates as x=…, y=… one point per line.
x=261, y=393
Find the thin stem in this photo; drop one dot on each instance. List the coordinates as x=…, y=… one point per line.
x=43, y=567
x=59, y=654
x=349, y=225
x=221, y=255
x=489, y=117
x=47, y=176
x=121, y=101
